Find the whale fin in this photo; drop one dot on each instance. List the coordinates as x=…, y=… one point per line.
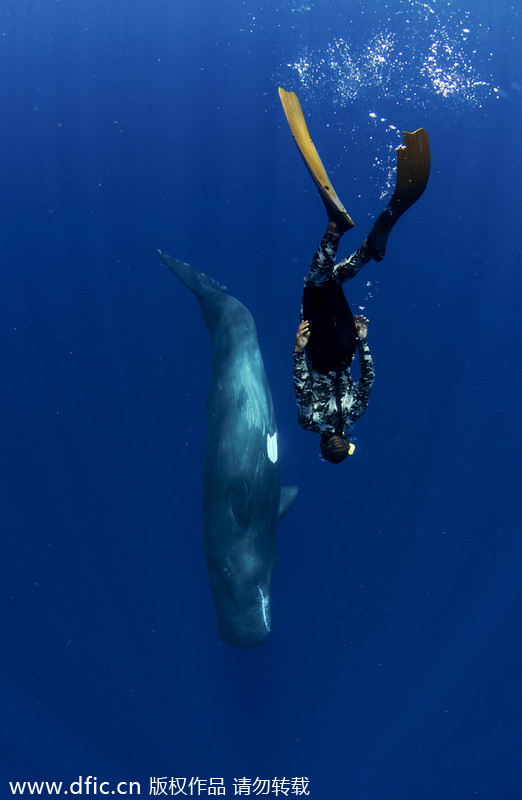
x=198, y=282
x=288, y=495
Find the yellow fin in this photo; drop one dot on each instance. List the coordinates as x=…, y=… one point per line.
x=296, y=120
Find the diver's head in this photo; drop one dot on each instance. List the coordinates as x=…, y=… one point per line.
x=335, y=448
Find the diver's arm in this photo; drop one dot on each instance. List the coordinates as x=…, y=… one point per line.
x=363, y=387
x=366, y=363
x=365, y=357
x=302, y=336
x=361, y=326
x=303, y=391
x=302, y=378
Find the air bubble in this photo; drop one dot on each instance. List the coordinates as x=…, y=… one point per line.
x=436, y=57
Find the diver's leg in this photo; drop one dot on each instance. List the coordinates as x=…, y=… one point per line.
x=348, y=268
x=322, y=266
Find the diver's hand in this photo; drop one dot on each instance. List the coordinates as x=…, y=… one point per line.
x=361, y=326
x=302, y=336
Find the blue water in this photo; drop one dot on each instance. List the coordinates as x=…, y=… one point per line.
x=393, y=667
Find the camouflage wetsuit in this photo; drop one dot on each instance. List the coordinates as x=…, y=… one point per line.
x=329, y=402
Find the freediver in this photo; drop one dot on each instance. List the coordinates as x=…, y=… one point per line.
x=328, y=400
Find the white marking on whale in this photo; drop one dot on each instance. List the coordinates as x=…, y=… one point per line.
x=271, y=447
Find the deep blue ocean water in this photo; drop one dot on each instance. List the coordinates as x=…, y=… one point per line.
x=393, y=667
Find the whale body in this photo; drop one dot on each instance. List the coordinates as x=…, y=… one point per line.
x=242, y=496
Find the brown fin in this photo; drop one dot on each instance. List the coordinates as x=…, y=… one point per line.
x=296, y=120
x=413, y=169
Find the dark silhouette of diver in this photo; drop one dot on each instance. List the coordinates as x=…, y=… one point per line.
x=328, y=401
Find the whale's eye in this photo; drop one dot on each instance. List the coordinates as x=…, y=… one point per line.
x=240, y=502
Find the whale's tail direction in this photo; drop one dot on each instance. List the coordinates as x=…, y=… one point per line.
x=212, y=296
x=202, y=285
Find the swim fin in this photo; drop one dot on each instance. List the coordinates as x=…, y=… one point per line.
x=413, y=171
x=296, y=120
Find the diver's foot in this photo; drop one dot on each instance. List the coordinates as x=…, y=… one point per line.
x=378, y=236
x=337, y=222
x=366, y=252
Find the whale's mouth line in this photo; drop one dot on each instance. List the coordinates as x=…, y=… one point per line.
x=263, y=604
x=265, y=608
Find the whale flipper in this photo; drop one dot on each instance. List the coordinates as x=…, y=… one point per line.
x=288, y=495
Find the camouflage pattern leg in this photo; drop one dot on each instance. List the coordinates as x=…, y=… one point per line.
x=322, y=266
x=349, y=267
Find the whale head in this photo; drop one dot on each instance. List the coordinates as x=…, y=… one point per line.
x=241, y=555
x=242, y=599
